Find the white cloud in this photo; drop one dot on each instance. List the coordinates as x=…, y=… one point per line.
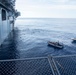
x=46, y=2
x=29, y=8
x=60, y=1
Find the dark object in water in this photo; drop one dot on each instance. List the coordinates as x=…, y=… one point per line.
x=74, y=40
x=55, y=44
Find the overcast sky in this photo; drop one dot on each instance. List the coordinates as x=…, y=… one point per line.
x=47, y=8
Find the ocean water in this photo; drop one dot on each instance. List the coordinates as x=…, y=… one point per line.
x=31, y=37
x=35, y=33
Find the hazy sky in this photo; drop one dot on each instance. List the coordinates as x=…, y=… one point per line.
x=47, y=8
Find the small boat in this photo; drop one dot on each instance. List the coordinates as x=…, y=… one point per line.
x=74, y=40
x=55, y=44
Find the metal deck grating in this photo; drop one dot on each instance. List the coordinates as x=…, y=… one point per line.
x=39, y=66
x=66, y=65
x=58, y=65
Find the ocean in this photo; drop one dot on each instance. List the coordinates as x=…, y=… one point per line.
x=31, y=38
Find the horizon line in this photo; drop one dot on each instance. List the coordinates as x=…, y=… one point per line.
x=43, y=18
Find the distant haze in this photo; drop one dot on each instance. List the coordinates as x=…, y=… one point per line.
x=46, y=8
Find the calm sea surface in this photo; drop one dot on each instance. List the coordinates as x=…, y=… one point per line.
x=31, y=37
